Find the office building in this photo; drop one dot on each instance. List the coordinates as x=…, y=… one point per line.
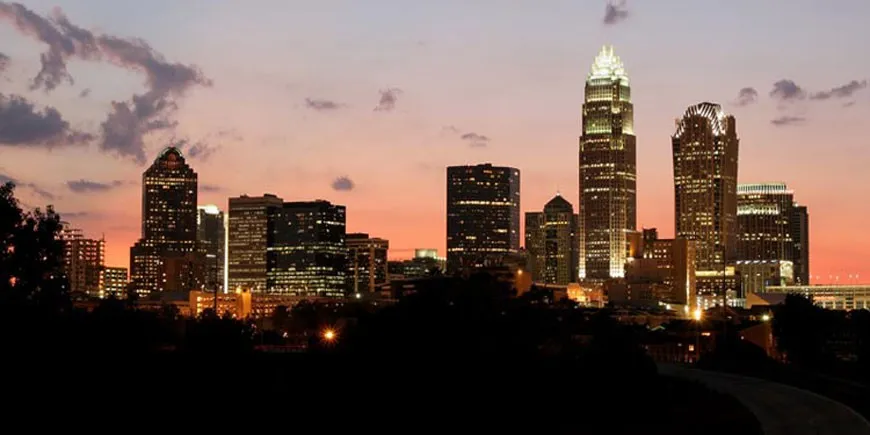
x=705, y=147
x=169, y=193
x=211, y=243
x=675, y=260
x=765, y=249
x=608, y=170
x=426, y=262
x=113, y=282
x=250, y=231
x=83, y=259
x=308, y=253
x=483, y=215
x=800, y=235
x=551, y=243
x=367, y=262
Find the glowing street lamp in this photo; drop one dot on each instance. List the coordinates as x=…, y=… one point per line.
x=765, y=317
x=329, y=335
x=697, y=314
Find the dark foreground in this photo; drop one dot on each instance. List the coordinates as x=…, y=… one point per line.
x=781, y=409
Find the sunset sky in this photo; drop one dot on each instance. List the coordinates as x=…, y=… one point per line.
x=291, y=95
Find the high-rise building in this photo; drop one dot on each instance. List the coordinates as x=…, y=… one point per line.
x=366, y=262
x=83, y=259
x=765, y=249
x=551, y=242
x=800, y=234
x=113, y=282
x=483, y=215
x=250, y=233
x=608, y=170
x=705, y=147
x=169, y=192
x=308, y=253
x=211, y=241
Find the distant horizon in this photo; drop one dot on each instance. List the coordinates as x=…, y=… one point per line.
x=365, y=105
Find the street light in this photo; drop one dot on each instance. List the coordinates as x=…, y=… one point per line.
x=697, y=314
x=329, y=335
x=765, y=317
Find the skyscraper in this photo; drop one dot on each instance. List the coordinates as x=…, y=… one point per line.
x=366, y=262
x=169, y=192
x=552, y=243
x=800, y=235
x=83, y=261
x=765, y=249
x=608, y=170
x=210, y=239
x=705, y=147
x=308, y=253
x=250, y=233
x=483, y=215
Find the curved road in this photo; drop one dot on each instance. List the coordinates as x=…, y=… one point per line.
x=781, y=409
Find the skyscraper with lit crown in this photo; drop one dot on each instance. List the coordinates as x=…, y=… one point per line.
x=608, y=171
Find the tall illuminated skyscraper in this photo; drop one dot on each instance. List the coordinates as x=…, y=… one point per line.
x=551, y=241
x=705, y=147
x=165, y=257
x=250, y=232
x=483, y=215
x=211, y=241
x=608, y=170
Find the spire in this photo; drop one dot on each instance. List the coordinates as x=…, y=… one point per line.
x=608, y=65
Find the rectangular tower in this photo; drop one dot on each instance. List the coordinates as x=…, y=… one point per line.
x=800, y=235
x=250, y=233
x=483, y=215
x=366, y=262
x=211, y=240
x=608, y=170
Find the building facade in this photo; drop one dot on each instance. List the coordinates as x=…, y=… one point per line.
x=765, y=249
x=608, y=170
x=551, y=243
x=308, y=256
x=367, y=262
x=113, y=282
x=169, y=194
x=483, y=215
x=211, y=244
x=250, y=232
x=705, y=147
x=83, y=260
x=800, y=235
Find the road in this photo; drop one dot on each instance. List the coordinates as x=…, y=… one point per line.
x=781, y=409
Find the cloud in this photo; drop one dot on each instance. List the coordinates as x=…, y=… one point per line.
x=784, y=121
x=450, y=129
x=75, y=215
x=85, y=93
x=849, y=104
x=42, y=193
x=22, y=124
x=388, y=100
x=128, y=122
x=4, y=62
x=844, y=91
x=615, y=12
x=322, y=105
x=342, y=184
x=787, y=91
x=475, y=140
x=88, y=186
x=746, y=96
x=210, y=188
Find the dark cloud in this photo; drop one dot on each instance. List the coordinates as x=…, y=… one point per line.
x=616, y=12
x=85, y=93
x=129, y=121
x=388, y=99
x=321, y=105
x=42, y=193
x=849, y=104
x=844, y=91
x=342, y=184
x=22, y=124
x=475, y=140
x=784, y=121
x=746, y=96
x=4, y=62
x=787, y=90
x=88, y=186
x=200, y=151
x=210, y=188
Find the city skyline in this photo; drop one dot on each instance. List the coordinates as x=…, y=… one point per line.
x=512, y=101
